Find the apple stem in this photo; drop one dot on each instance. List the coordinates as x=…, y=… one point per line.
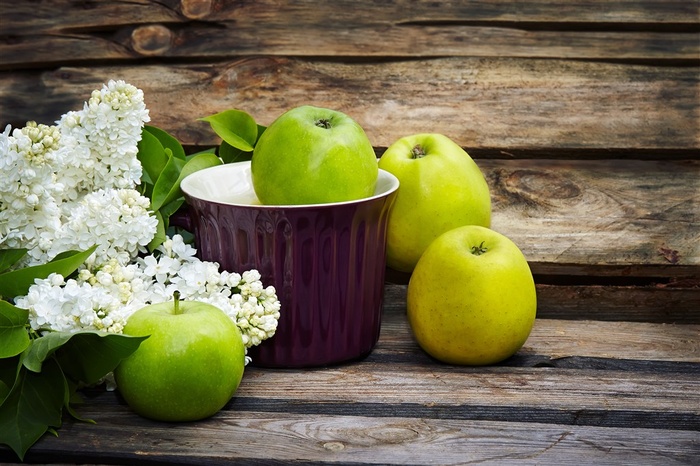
x=479, y=250
x=176, y=302
x=323, y=123
x=418, y=152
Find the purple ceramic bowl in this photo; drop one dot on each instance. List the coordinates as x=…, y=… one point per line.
x=326, y=261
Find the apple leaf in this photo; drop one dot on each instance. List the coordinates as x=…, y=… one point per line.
x=17, y=282
x=33, y=406
x=167, y=188
x=168, y=141
x=13, y=332
x=236, y=127
x=9, y=257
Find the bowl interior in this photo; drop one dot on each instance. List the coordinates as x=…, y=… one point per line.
x=232, y=183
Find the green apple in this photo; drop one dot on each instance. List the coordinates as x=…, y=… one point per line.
x=312, y=155
x=189, y=367
x=471, y=298
x=440, y=188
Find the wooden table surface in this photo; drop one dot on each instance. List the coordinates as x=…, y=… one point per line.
x=584, y=117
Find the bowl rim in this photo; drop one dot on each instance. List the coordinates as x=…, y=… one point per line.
x=185, y=186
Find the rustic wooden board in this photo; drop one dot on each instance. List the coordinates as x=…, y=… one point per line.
x=655, y=303
x=343, y=36
x=508, y=104
x=650, y=303
x=557, y=338
x=62, y=32
x=66, y=14
x=602, y=218
x=571, y=215
x=257, y=437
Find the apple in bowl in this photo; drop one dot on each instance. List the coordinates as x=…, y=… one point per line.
x=313, y=155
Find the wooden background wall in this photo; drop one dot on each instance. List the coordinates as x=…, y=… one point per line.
x=583, y=115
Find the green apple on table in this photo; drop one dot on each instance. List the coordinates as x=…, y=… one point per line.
x=441, y=188
x=189, y=367
x=313, y=155
x=471, y=298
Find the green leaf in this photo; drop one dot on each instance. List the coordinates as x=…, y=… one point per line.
x=42, y=348
x=236, y=127
x=151, y=155
x=166, y=181
x=162, y=195
x=13, y=332
x=70, y=398
x=230, y=154
x=168, y=141
x=169, y=209
x=9, y=370
x=17, y=282
x=33, y=407
x=85, y=356
x=89, y=356
x=160, y=235
x=9, y=257
x=211, y=150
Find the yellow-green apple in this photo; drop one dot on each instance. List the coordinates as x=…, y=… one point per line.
x=312, y=155
x=189, y=367
x=440, y=188
x=471, y=298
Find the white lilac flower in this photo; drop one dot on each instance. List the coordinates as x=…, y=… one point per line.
x=28, y=188
x=105, y=297
x=104, y=138
x=46, y=172
x=116, y=220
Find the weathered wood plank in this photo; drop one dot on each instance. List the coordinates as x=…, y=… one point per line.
x=264, y=438
x=49, y=33
x=68, y=14
x=622, y=303
x=442, y=386
x=652, y=303
x=556, y=338
x=565, y=214
x=233, y=40
x=506, y=104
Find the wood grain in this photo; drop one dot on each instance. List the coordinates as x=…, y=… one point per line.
x=645, y=303
x=506, y=104
x=557, y=338
x=65, y=14
x=257, y=437
x=61, y=31
x=596, y=212
x=365, y=41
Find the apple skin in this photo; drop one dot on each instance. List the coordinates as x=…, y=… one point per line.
x=313, y=155
x=469, y=309
x=189, y=367
x=440, y=190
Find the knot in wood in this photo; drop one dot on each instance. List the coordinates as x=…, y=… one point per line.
x=195, y=9
x=541, y=187
x=334, y=446
x=153, y=39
